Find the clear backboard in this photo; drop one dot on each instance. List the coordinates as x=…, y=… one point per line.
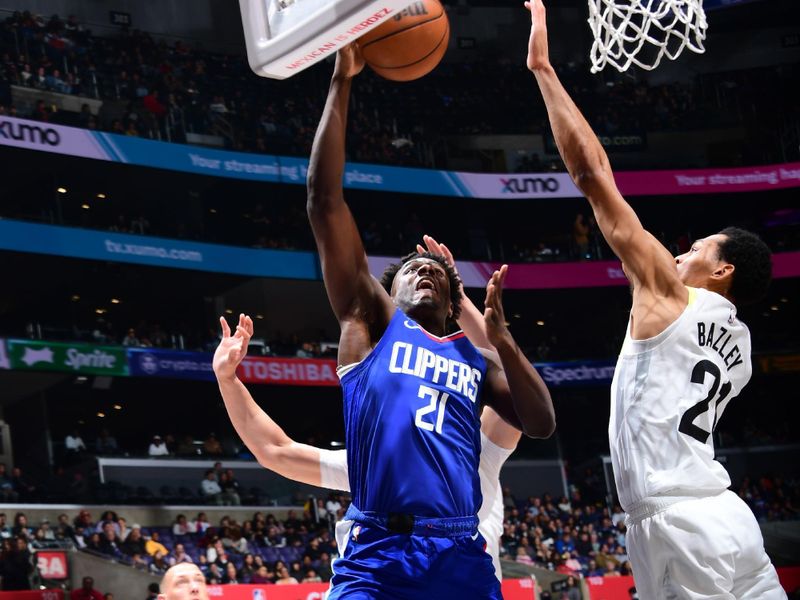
x=286, y=36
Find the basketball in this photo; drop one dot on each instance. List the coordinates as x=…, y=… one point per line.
x=411, y=44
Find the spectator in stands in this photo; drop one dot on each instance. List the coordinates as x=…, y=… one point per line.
x=181, y=526
x=230, y=576
x=311, y=577
x=248, y=567
x=212, y=447
x=284, y=578
x=74, y=444
x=210, y=489
x=94, y=542
x=5, y=530
x=179, y=555
x=130, y=338
x=109, y=542
x=572, y=591
x=109, y=517
x=274, y=537
x=123, y=531
x=135, y=543
x=230, y=489
x=154, y=545
x=200, y=523
x=15, y=566
x=86, y=591
x=233, y=540
x=7, y=491
x=157, y=447
x=21, y=528
x=214, y=574
x=24, y=489
x=186, y=446
x=324, y=569
x=106, y=444
x=45, y=533
x=262, y=575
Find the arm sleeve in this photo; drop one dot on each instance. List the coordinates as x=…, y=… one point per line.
x=333, y=470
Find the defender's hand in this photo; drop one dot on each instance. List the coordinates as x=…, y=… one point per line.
x=494, y=317
x=233, y=348
x=538, y=53
x=349, y=62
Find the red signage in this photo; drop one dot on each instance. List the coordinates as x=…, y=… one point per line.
x=513, y=589
x=35, y=595
x=616, y=588
x=52, y=565
x=288, y=371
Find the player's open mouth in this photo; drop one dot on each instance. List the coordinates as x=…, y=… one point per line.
x=426, y=284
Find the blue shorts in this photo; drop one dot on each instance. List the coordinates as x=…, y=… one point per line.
x=436, y=560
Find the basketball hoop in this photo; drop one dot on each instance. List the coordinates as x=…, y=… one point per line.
x=641, y=32
x=286, y=36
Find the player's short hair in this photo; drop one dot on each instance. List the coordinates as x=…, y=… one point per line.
x=455, y=281
x=753, y=261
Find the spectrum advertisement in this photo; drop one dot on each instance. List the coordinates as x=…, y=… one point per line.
x=71, y=141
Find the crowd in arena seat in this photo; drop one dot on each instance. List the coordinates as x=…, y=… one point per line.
x=576, y=536
x=166, y=90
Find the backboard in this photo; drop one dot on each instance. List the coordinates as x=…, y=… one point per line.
x=286, y=36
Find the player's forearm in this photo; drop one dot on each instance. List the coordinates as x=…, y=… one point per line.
x=258, y=431
x=472, y=323
x=529, y=394
x=326, y=165
x=577, y=144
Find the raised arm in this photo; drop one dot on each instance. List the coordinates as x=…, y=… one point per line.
x=514, y=388
x=270, y=445
x=352, y=291
x=647, y=263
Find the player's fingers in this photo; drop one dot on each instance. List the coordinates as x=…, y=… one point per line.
x=226, y=330
x=248, y=325
x=448, y=255
x=244, y=335
x=501, y=280
x=420, y=249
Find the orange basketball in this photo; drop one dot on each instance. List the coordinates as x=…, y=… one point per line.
x=409, y=45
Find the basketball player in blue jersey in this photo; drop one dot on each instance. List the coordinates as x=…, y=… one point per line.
x=328, y=468
x=685, y=356
x=412, y=397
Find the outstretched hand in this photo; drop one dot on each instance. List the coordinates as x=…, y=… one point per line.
x=233, y=348
x=538, y=53
x=434, y=247
x=349, y=61
x=493, y=315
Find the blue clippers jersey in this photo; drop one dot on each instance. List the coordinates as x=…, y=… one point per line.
x=412, y=423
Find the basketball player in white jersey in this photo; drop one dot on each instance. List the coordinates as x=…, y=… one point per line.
x=328, y=468
x=685, y=356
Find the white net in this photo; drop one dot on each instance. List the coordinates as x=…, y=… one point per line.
x=642, y=32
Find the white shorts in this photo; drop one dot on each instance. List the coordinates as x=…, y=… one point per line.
x=701, y=549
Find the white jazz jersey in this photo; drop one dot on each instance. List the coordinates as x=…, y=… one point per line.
x=667, y=396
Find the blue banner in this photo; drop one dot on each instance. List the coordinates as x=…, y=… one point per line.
x=577, y=373
x=159, y=252
x=170, y=364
